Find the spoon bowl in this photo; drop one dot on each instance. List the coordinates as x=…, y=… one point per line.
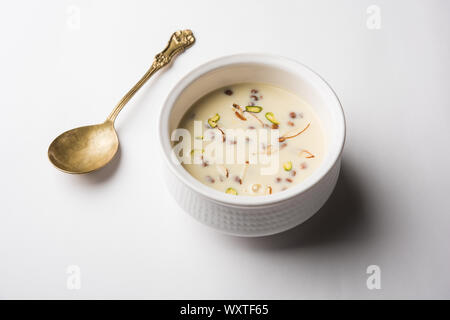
x=84, y=149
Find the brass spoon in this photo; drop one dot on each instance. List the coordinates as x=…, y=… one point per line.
x=89, y=148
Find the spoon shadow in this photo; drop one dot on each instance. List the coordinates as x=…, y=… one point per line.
x=344, y=217
x=106, y=173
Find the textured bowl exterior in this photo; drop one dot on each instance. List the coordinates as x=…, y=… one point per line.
x=258, y=220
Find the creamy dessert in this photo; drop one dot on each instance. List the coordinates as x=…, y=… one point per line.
x=250, y=139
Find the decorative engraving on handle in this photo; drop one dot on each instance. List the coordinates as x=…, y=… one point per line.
x=179, y=41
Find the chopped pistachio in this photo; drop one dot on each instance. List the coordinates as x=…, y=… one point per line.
x=271, y=118
x=213, y=120
x=254, y=109
x=212, y=124
x=287, y=166
x=194, y=151
x=231, y=191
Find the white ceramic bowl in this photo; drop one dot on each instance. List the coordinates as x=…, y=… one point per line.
x=260, y=215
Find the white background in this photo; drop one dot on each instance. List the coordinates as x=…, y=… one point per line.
x=120, y=226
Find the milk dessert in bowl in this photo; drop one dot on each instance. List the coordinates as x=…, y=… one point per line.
x=321, y=132
x=238, y=119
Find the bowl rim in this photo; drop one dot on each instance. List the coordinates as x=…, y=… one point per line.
x=246, y=201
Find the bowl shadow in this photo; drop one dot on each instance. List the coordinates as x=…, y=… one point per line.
x=344, y=217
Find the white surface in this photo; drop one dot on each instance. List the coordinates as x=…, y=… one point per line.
x=390, y=208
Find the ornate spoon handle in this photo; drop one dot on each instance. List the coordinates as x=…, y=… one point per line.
x=178, y=42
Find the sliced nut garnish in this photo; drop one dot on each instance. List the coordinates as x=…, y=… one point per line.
x=210, y=179
x=287, y=166
x=271, y=118
x=240, y=116
x=257, y=119
x=268, y=190
x=288, y=136
x=223, y=133
x=255, y=187
x=222, y=171
x=212, y=123
x=213, y=120
x=239, y=112
x=309, y=155
x=231, y=191
x=254, y=109
x=243, y=172
x=271, y=149
x=197, y=151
